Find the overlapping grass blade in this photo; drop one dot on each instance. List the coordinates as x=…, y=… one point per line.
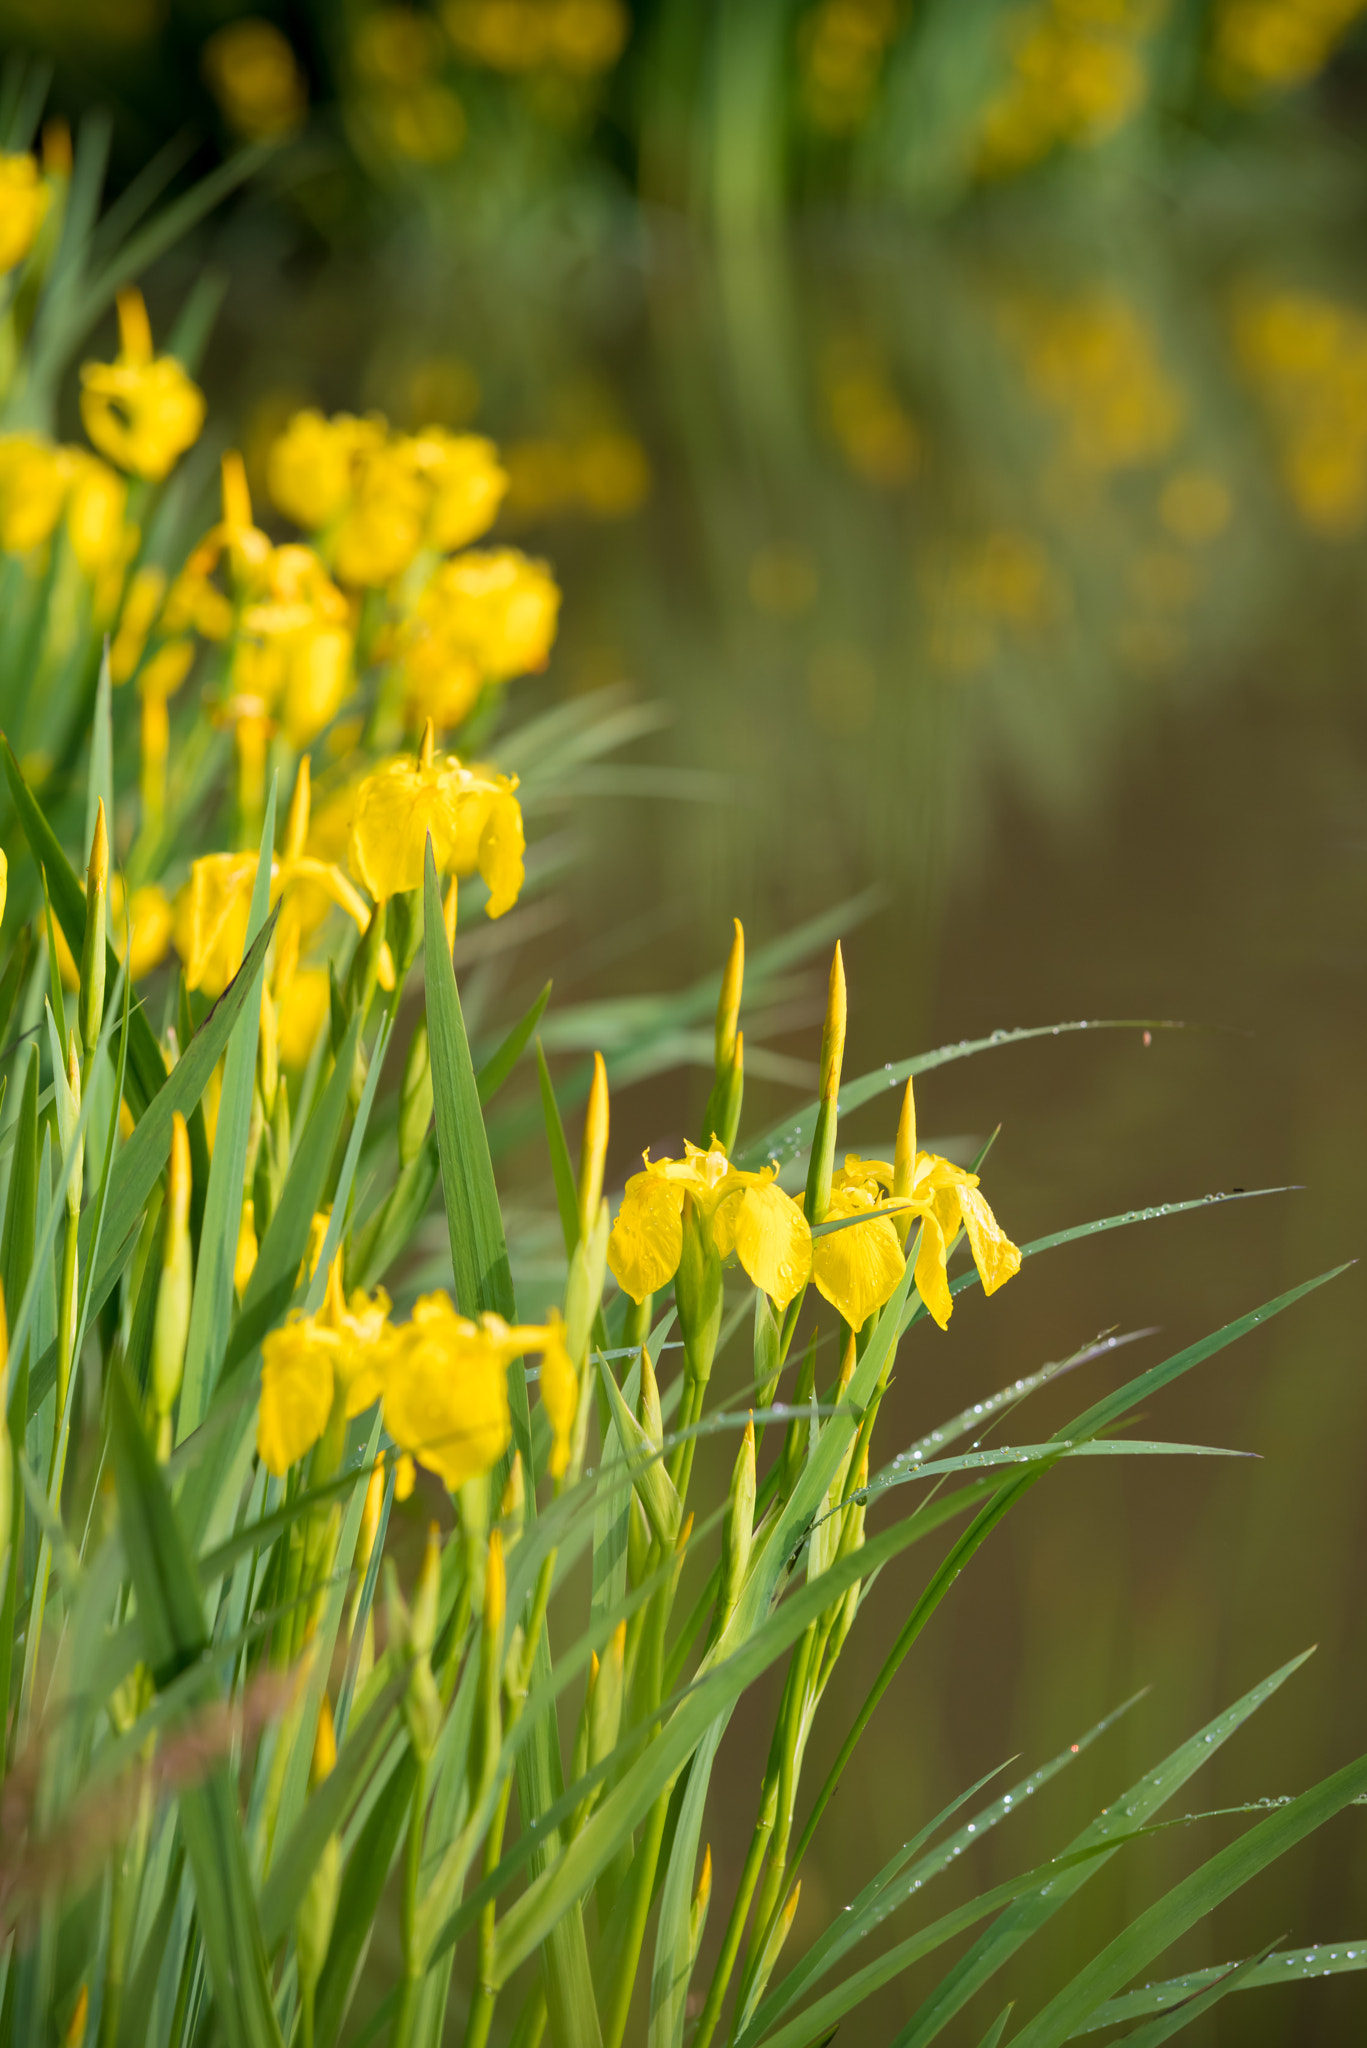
x=211, y=1307
x=171, y=1618
x=1282, y=1966
x=1137, y=1805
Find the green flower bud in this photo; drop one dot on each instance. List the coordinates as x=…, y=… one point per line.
x=171, y=1326
x=604, y=1703
x=698, y=1296
x=67, y=1089
x=648, y=1410
x=90, y=1005
x=739, y=1526
x=415, y=1095
x=593, y=1151
x=702, y=1899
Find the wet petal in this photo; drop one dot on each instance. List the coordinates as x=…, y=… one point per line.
x=446, y=1395
x=647, y=1237
x=501, y=847
x=858, y=1268
x=932, y=1281
x=772, y=1240
x=994, y=1255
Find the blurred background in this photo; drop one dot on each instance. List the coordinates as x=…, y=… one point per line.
x=948, y=422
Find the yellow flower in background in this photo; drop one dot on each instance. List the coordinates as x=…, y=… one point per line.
x=303, y=1012
x=211, y=911
x=472, y=815
x=137, y=616
x=745, y=1213
x=94, y=516
x=148, y=910
x=580, y=37
x=483, y=617
x=466, y=481
x=1270, y=45
x=381, y=528
x=33, y=484
x=314, y=1363
x=23, y=203
x=251, y=71
x=446, y=1388
x=295, y=644
x=1307, y=356
x=309, y=467
x=142, y=411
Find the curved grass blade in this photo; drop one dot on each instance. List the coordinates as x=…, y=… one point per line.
x=212, y=1302
x=500, y=1063
x=1190, y=1901
x=783, y=1141
x=1014, y=1928
x=171, y=1617
x=1325, y=1959
x=147, y=1069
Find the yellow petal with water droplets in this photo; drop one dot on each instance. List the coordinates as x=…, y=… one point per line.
x=646, y=1243
x=446, y=1393
x=771, y=1239
x=996, y=1258
x=858, y=1268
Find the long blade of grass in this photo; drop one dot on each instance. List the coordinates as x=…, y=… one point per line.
x=1014, y=1928
x=147, y=1069
x=171, y=1616
x=1288, y=1965
x=1191, y=1900
x=501, y=1062
x=211, y=1305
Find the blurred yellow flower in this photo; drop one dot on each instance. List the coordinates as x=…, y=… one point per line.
x=141, y=411
x=1077, y=75
x=745, y=1213
x=472, y=815
x=446, y=1388
x=1270, y=45
x=466, y=482
x=252, y=72
x=581, y=37
x=212, y=909
x=33, y=484
x=23, y=203
x=482, y=617
x=303, y=1013
x=310, y=465
x=313, y=1364
x=1307, y=356
x=94, y=516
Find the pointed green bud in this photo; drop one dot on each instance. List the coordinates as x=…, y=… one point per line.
x=648, y=1410
x=415, y=1094
x=90, y=1006
x=739, y=1527
x=702, y=1899
x=593, y=1151
x=832, y=1057
x=797, y=1439
x=768, y=1365
x=171, y=1326
x=605, y=1699
x=68, y=1093
x=728, y=1002
x=638, y=1542
x=904, y=1160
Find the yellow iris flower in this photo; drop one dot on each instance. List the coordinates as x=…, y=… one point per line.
x=141, y=410
x=211, y=911
x=34, y=477
x=472, y=814
x=446, y=1388
x=314, y=1364
x=23, y=202
x=484, y=617
x=858, y=1268
x=745, y=1213
x=375, y=499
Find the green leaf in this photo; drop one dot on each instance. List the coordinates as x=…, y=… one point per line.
x=562, y=1169
x=655, y=1488
x=1191, y=1900
x=147, y=1069
x=363, y=1881
x=1138, y=1804
x=212, y=1303
x=141, y=1162
x=783, y=1141
x=909, y=1871
x=1176, y=2022
x=1286, y=1966
x=500, y=1064
x=100, y=779
x=171, y=1616
x=479, y=1252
